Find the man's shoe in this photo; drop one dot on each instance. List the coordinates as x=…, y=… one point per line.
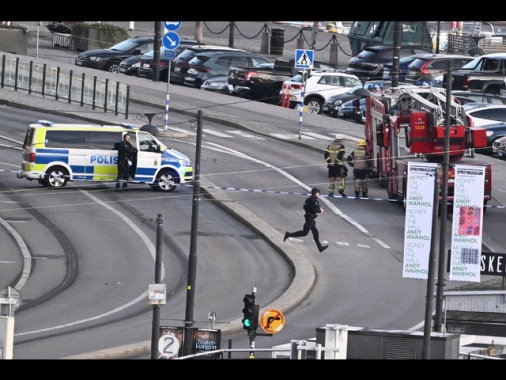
x=364, y=195
x=287, y=235
x=331, y=195
x=321, y=249
x=342, y=193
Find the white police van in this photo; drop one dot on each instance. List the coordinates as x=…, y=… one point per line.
x=54, y=154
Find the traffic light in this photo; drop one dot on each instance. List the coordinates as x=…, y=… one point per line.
x=251, y=311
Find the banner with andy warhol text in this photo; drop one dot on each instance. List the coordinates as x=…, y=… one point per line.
x=467, y=223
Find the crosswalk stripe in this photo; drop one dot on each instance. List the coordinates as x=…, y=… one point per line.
x=247, y=135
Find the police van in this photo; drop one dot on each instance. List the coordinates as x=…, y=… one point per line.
x=54, y=154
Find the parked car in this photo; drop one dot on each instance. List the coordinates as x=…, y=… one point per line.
x=330, y=105
x=355, y=108
x=481, y=114
x=167, y=57
x=218, y=83
x=180, y=66
x=212, y=63
x=495, y=132
x=499, y=147
x=130, y=66
x=427, y=67
x=318, y=87
x=484, y=73
x=404, y=62
x=352, y=109
x=481, y=97
x=109, y=59
x=369, y=62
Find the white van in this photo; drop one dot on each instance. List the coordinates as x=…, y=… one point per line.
x=54, y=154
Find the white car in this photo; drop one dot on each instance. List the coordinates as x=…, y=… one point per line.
x=318, y=87
x=481, y=114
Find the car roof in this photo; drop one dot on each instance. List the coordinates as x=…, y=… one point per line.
x=474, y=105
x=331, y=73
x=436, y=56
x=213, y=48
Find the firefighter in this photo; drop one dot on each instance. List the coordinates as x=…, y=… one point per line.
x=361, y=164
x=334, y=155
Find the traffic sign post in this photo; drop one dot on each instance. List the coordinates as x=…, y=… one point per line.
x=303, y=60
x=171, y=41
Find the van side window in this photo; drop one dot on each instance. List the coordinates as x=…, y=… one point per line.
x=102, y=140
x=65, y=139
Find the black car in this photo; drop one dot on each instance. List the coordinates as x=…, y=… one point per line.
x=369, y=62
x=167, y=58
x=130, y=66
x=109, y=59
x=333, y=102
x=349, y=110
x=404, y=62
x=209, y=64
x=427, y=67
x=494, y=133
x=180, y=63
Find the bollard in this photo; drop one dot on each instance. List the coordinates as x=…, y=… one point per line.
x=277, y=41
x=333, y=54
x=264, y=47
x=300, y=43
x=283, y=96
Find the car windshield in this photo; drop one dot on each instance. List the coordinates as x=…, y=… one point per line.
x=126, y=45
x=471, y=65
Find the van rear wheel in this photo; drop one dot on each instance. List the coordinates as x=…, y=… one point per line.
x=166, y=181
x=56, y=176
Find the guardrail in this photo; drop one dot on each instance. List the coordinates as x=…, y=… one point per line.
x=50, y=81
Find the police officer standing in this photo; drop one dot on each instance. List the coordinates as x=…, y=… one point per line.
x=126, y=156
x=361, y=164
x=312, y=208
x=334, y=155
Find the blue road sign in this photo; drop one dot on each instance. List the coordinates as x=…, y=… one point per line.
x=170, y=54
x=304, y=59
x=171, y=40
x=172, y=25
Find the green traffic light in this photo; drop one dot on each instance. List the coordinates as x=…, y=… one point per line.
x=246, y=323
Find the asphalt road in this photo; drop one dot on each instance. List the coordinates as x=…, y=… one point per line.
x=58, y=52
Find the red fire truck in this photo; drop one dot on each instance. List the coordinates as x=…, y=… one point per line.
x=408, y=124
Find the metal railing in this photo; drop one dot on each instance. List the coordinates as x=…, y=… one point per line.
x=50, y=81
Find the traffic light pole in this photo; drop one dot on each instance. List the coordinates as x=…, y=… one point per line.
x=250, y=319
x=252, y=335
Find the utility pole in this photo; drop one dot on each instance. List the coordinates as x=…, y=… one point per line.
x=397, y=52
x=156, y=50
x=155, y=331
x=192, y=261
x=315, y=33
x=438, y=318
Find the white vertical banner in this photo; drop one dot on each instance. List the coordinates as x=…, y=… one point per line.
x=418, y=223
x=467, y=223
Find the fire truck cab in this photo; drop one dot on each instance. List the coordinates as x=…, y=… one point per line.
x=409, y=123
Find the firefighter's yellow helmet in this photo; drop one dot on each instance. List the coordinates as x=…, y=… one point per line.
x=361, y=142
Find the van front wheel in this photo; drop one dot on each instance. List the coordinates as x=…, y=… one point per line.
x=166, y=181
x=56, y=176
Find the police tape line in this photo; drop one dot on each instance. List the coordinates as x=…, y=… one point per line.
x=308, y=194
x=277, y=192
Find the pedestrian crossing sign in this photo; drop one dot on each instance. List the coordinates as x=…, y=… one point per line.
x=304, y=59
